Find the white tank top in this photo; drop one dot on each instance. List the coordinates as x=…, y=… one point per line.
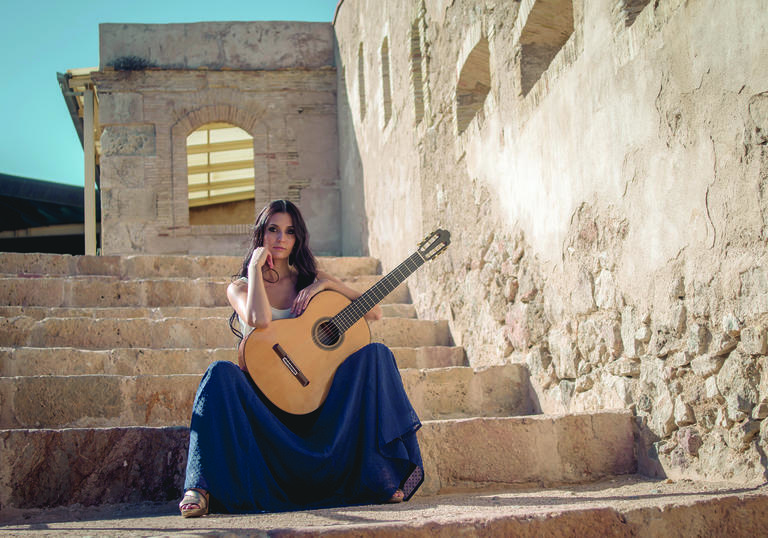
x=277, y=313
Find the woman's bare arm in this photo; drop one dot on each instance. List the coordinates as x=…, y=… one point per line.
x=324, y=281
x=249, y=299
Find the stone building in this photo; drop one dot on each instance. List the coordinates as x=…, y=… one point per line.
x=602, y=166
x=159, y=84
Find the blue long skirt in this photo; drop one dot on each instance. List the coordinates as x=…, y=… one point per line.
x=358, y=448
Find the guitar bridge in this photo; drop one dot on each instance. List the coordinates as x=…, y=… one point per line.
x=286, y=360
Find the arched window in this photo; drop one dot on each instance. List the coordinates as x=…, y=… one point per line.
x=220, y=175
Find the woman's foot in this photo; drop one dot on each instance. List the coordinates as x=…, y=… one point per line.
x=194, y=503
x=397, y=497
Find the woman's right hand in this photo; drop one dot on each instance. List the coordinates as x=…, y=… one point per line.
x=260, y=257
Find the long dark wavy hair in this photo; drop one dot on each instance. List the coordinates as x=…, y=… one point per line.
x=301, y=257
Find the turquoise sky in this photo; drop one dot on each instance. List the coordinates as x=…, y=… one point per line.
x=39, y=38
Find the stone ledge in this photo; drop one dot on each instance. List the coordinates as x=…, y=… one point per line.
x=198, y=333
x=46, y=468
x=97, y=400
x=134, y=266
x=623, y=506
x=65, y=361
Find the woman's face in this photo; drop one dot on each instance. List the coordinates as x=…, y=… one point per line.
x=279, y=236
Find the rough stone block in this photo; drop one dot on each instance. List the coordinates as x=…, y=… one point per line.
x=43, y=468
x=739, y=380
x=128, y=140
x=463, y=392
x=754, y=340
x=547, y=449
x=707, y=365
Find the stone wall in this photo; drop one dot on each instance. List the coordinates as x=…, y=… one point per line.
x=603, y=169
x=158, y=83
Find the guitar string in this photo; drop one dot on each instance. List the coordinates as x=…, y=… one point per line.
x=350, y=314
x=327, y=330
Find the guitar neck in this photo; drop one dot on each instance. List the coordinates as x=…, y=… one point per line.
x=360, y=306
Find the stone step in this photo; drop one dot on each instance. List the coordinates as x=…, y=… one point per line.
x=110, y=291
x=628, y=505
x=154, y=266
x=64, y=361
x=97, y=466
x=394, y=310
x=166, y=400
x=198, y=333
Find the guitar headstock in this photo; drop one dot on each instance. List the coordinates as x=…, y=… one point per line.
x=434, y=244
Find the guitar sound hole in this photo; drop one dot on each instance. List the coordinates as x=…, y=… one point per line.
x=327, y=333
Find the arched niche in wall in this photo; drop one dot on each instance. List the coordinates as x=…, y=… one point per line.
x=474, y=84
x=386, y=84
x=628, y=10
x=220, y=175
x=361, y=80
x=547, y=28
x=417, y=70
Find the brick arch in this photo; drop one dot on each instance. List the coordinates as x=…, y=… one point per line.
x=189, y=122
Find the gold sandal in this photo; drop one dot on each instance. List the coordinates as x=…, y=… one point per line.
x=194, y=497
x=397, y=497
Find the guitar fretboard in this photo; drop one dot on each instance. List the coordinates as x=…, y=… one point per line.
x=358, y=308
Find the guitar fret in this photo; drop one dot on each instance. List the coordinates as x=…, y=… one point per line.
x=360, y=306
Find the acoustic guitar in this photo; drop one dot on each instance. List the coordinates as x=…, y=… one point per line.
x=293, y=361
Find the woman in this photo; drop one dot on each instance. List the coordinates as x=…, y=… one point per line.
x=247, y=455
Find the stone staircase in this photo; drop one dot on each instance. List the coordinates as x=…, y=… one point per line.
x=100, y=358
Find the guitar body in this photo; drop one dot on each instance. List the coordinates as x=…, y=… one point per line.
x=293, y=361
x=289, y=352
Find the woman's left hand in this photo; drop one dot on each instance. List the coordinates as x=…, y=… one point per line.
x=304, y=296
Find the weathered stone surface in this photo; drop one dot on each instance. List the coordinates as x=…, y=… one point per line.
x=680, y=359
x=157, y=400
x=760, y=411
x=629, y=324
x=67, y=361
x=111, y=291
x=565, y=352
x=723, y=344
x=607, y=295
x=683, y=413
x=91, y=466
x=625, y=367
x=743, y=434
x=583, y=296
x=754, y=340
x=738, y=381
x=711, y=391
x=120, y=108
x=570, y=456
x=128, y=140
x=707, y=365
x=217, y=45
x=698, y=339
x=689, y=440
x=64, y=361
x=463, y=392
x=663, y=415
x=623, y=506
